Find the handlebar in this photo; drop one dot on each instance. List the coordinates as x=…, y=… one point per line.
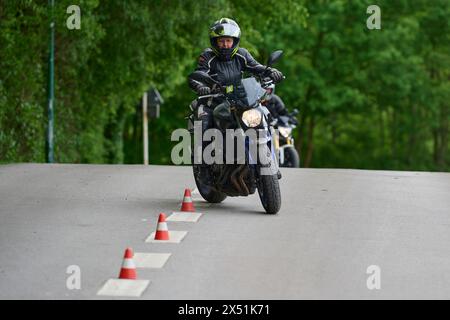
x=215, y=95
x=265, y=82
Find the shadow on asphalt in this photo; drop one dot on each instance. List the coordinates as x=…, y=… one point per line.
x=169, y=205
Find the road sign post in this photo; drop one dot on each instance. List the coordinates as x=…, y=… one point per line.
x=151, y=102
x=145, y=127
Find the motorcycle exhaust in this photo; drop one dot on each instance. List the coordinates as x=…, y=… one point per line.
x=234, y=180
x=242, y=182
x=238, y=182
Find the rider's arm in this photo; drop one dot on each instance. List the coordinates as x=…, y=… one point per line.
x=204, y=64
x=279, y=106
x=250, y=64
x=254, y=67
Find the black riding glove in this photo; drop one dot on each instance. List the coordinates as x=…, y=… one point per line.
x=276, y=75
x=203, y=91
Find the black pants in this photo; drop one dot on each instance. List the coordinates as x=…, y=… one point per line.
x=205, y=114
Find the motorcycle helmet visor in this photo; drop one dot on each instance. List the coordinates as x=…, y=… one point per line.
x=225, y=30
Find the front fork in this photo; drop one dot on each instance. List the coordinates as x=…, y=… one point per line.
x=271, y=145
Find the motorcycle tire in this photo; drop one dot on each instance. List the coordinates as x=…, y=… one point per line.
x=269, y=193
x=291, y=158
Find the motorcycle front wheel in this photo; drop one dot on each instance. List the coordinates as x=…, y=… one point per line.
x=291, y=158
x=269, y=193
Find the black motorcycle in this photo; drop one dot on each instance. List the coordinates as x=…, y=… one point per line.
x=287, y=154
x=241, y=108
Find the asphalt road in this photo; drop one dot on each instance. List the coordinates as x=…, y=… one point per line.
x=332, y=226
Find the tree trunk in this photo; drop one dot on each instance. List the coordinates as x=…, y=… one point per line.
x=436, y=146
x=442, y=133
x=305, y=115
x=300, y=136
x=412, y=139
x=381, y=128
x=394, y=142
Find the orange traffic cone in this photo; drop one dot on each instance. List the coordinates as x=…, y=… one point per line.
x=187, y=204
x=162, y=233
x=128, y=270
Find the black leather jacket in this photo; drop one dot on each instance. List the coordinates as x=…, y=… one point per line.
x=226, y=72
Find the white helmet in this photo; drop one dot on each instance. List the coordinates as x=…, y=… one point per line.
x=270, y=91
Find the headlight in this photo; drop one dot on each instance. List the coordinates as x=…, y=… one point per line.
x=252, y=118
x=285, y=131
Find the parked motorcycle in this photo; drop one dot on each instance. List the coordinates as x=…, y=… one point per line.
x=241, y=109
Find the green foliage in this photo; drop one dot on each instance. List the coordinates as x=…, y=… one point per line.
x=375, y=99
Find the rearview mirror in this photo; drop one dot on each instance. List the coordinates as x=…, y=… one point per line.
x=274, y=57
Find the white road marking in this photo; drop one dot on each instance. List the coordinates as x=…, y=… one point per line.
x=123, y=288
x=150, y=260
x=184, y=216
x=174, y=237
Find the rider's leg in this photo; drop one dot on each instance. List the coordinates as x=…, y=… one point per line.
x=205, y=114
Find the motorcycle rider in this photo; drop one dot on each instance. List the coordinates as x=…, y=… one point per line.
x=274, y=103
x=225, y=62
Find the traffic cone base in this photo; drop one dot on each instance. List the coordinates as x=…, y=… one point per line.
x=175, y=237
x=128, y=274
